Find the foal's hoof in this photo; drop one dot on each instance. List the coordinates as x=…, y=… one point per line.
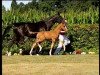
x=50, y=54
x=30, y=54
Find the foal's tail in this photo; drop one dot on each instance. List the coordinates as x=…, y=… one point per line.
x=30, y=32
x=33, y=32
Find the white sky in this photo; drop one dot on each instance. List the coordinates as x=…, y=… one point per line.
x=7, y=3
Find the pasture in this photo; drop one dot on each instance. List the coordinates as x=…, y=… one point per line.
x=50, y=65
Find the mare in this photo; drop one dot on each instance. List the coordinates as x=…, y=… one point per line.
x=48, y=35
x=20, y=29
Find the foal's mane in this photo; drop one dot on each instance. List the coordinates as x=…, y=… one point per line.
x=58, y=27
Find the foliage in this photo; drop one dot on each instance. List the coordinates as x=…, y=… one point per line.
x=85, y=37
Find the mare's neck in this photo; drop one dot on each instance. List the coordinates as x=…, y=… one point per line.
x=50, y=22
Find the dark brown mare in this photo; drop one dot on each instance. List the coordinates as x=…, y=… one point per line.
x=20, y=29
x=48, y=35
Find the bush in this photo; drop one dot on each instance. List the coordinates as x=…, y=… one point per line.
x=85, y=37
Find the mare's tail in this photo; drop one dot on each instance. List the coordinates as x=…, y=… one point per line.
x=7, y=29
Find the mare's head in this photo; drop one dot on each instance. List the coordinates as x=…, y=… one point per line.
x=57, y=18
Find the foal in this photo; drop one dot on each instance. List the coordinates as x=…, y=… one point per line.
x=47, y=35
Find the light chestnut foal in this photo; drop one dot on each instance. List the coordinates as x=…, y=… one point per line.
x=48, y=35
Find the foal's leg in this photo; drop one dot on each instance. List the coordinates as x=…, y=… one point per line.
x=34, y=44
x=40, y=47
x=51, y=48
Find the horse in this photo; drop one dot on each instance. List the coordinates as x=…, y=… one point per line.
x=20, y=29
x=48, y=35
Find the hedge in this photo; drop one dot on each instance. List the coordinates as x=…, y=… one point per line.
x=84, y=37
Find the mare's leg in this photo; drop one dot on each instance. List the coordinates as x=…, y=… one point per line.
x=34, y=44
x=11, y=42
x=51, y=48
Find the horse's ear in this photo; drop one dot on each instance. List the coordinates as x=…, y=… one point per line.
x=63, y=21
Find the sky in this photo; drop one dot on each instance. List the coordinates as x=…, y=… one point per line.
x=7, y=3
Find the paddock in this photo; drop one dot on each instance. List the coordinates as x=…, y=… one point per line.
x=51, y=65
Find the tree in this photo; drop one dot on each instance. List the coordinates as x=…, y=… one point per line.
x=3, y=8
x=14, y=5
x=21, y=7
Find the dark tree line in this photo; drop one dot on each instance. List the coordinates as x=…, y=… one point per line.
x=56, y=5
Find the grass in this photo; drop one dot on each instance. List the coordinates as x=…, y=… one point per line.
x=51, y=65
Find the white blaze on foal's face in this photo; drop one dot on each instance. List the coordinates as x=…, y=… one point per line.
x=66, y=28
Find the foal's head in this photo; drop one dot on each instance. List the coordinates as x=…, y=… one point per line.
x=62, y=27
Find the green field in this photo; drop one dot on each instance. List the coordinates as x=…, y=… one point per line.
x=51, y=65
